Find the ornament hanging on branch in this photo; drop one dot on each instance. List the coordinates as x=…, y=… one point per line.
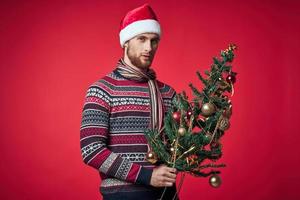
x=189, y=114
x=176, y=116
x=208, y=109
x=230, y=78
x=224, y=123
x=215, y=181
x=151, y=157
x=193, y=128
x=181, y=131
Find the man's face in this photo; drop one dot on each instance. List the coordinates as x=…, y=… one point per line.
x=141, y=49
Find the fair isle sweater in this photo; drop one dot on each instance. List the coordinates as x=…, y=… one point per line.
x=115, y=115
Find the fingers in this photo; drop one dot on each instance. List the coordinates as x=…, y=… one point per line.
x=168, y=175
x=166, y=182
x=170, y=180
x=163, y=176
x=171, y=172
x=169, y=169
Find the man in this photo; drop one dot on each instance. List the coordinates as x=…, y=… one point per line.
x=120, y=107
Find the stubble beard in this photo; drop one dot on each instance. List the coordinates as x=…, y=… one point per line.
x=136, y=61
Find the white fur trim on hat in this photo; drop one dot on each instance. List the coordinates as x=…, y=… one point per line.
x=139, y=27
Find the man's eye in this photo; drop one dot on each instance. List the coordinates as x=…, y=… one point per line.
x=154, y=42
x=142, y=39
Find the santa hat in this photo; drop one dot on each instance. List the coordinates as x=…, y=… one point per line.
x=137, y=21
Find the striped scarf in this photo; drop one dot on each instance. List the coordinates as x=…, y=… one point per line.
x=156, y=102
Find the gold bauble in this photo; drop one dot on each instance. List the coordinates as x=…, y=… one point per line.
x=208, y=109
x=181, y=131
x=151, y=157
x=224, y=124
x=215, y=181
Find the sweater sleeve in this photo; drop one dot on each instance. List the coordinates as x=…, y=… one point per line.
x=173, y=98
x=94, y=132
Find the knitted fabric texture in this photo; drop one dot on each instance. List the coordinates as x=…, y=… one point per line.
x=134, y=73
x=115, y=114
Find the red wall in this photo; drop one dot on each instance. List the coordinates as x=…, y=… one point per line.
x=51, y=51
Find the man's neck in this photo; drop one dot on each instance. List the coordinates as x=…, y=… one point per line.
x=128, y=62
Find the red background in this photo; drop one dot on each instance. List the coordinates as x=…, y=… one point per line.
x=51, y=51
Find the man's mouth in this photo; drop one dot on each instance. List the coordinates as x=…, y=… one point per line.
x=146, y=56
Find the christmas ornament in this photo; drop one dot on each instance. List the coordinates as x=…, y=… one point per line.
x=224, y=123
x=201, y=119
x=189, y=113
x=151, y=157
x=215, y=181
x=172, y=149
x=231, y=79
x=181, y=131
x=176, y=116
x=208, y=109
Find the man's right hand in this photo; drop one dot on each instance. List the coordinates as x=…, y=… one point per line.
x=163, y=176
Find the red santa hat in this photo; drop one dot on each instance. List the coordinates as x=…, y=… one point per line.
x=137, y=21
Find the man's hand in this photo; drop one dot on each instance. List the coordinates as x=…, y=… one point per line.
x=163, y=176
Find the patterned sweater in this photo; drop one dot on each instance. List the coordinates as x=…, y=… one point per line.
x=115, y=114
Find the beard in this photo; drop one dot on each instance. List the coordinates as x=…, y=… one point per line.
x=137, y=60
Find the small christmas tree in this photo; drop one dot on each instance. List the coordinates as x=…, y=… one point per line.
x=193, y=129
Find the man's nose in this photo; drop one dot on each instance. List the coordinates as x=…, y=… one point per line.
x=148, y=46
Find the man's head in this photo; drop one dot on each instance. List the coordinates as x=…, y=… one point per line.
x=140, y=50
x=139, y=36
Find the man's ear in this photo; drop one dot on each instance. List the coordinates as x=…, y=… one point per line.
x=126, y=44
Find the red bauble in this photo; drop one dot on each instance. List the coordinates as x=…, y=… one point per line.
x=201, y=118
x=176, y=116
x=230, y=79
x=189, y=114
x=195, y=133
